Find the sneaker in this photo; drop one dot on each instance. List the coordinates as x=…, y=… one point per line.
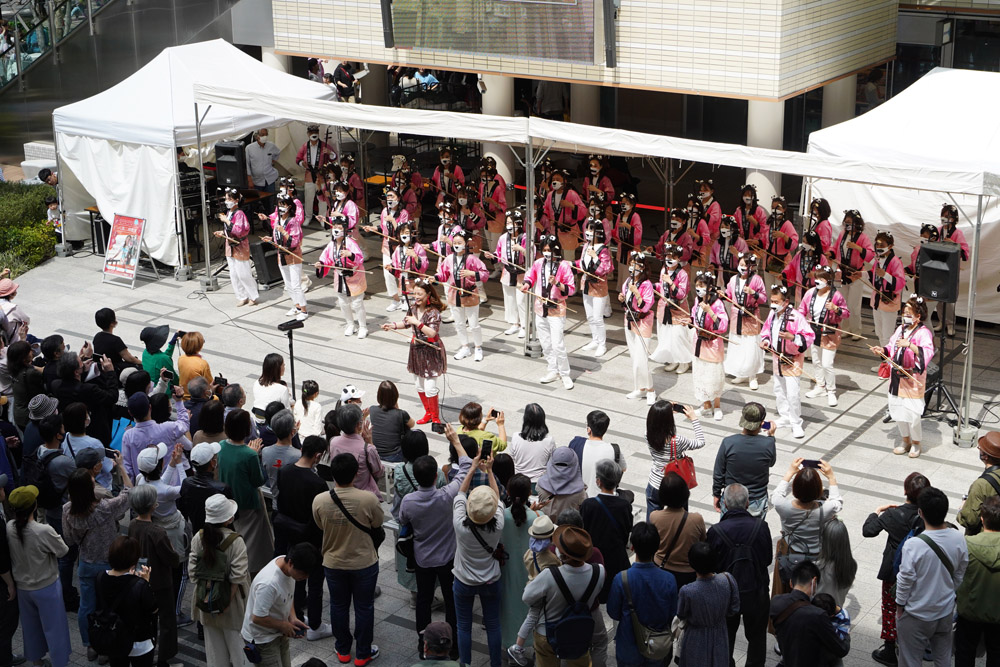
x=600, y=351
x=349, y=330
x=855, y=336
x=306, y=282
x=183, y=620
x=798, y=433
x=462, y=353
x=592, y=345
x=518, y=656
x=344, y=659
x=831, y=399
x=717, y=414
x=478, y=355
x=885, y=654
x=551, y=376
x=17, y=659
x=783, y=422
x=292, y=312
x=91, y=654
x=361, y=662
x=520, y=332
x=816, y=391
x=737, y=380
x=567, y=382
x=322, y=632
x=753, y=383
x=634, y=394
x=683, y=368
x=670, y=367
x=302, y=316
x=242, y=302
x=447, y=317
x=378, y=592
x=393, y=306
x=936, y=327
x=650, y=397
x=413, y=599
x=362, y=333
x=512, y=330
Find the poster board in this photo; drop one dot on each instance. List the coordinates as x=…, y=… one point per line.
x=121, y=260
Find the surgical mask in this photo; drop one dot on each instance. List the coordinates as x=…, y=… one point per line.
x=626, y=206
x=848, y=227
x=230, y=203
x=459, y=249
x=924, y=239
x=775, y=307
x=881, y=251
x=340, y=195
x=907, y=320
x=345, y=168
x=547, y=254
x=594, y=170
x=778, y=213
x=725, y=234
x=675, y=224
x=462, y=201
x=313, y=137
x=701, y=291
x=748, y=200
x=510, y=229
x=589, y=236
x=808, y=247
x=337, y=233
x=742, y=270
x=946, y=221
x=283, y=209
x=557, y=185
x=820, y=284
x=405, y=238
x=634, y=270
x=693, y=212
x=672, y=262
x=446, y=161
x=262, y=139
x=391, y=203
x=595, y=211
x=282, y=192
x=704, y=195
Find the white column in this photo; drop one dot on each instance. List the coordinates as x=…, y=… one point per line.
x=839, y=100
x=765, y=129
x=274, y=60
x=498, y=100
x=585, y=104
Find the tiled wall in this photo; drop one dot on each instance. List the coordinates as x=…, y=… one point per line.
x=993, y=5
x=737, y=48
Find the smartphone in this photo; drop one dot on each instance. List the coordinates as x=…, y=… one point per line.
x=678, y=407
x=810, y=463
x=167, y=374
x=486, y=450
x=111, y=453
x=437, y=428
x=765, y=426
x=143, y=562
x=494, y=413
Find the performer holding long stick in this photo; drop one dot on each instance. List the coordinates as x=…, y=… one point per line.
x=595, y=264
x=551, y=277
x=823, y=306
x=345, y=257
x=887, y=280
x=787, y=335
x=237, y=235
x=747, y=293
x=674, y=348
x=461, y=271
x=510, y=257
x=286, y=234
x=708, y=314
x=852, y=250
x=409, y=259
x=637, y=296
x=391, y=217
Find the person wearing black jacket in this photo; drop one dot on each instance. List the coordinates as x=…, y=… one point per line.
x=896, y=521
x=608, y=519
x=202, y=485
x=201, y=392
x=125, y=588
x=100, y=395
x=805, y=634
x=737, y=528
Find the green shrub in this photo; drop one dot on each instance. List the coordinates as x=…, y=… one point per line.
x=25, y=238
x=20, y=203
x=33, y=242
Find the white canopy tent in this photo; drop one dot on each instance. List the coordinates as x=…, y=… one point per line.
x=119, y=146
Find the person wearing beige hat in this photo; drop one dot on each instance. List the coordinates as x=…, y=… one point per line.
x=984, y=486
x=14, y=314
x=223, y=641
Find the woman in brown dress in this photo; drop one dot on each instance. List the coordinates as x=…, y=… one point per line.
x=428, y=360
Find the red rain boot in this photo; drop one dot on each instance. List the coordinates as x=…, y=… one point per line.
x=427, y=410
x=432, y=409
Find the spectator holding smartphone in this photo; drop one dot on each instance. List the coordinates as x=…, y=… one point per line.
x=155, y=359
x=746, y=458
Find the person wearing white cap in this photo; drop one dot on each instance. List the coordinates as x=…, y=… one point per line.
x=200, y=486
x=217, y=539
x=351, y=394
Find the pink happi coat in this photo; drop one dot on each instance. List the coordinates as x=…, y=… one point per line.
x=914, y=362
x=708, y=344
x=448, y=274
x=744, y=324
x=639, y=309
x=793, y=351
x=348, y=272
x=541, y=282
x=600, y=266
x=829, y=338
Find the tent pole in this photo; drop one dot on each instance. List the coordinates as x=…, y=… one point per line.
x=183, y=270
x=531, y=346
x=965, y=434
x=208, y=281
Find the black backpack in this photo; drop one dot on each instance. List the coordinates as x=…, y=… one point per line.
x=35, y=472
x=742, y=562
x=110, y=633
x=570, y=634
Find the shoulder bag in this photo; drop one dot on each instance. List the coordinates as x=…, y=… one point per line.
x=652, y=644
x=788, y=561
x=499, y=554
x=683, y=465
x=673, y=541
x=377, y=534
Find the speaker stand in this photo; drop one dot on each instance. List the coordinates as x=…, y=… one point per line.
x=939, y=388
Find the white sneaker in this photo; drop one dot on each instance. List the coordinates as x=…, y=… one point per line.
x=634, y=394
x=951, y=332
x=512, y=330
x=600, y=351
x=362, y=333
x=478, y=356
x=650, y=397
x=520, y=332
x=855, y=336
x=592, y=345
x=737, y=380
x=322, y=632
x=937, y=326
x=816, y=391
x=551, y=376
x=683, y=368
x=831, y=399
x=292, y=312
x=301, y=317
x=753, y=383
x=717, y=414
x=393, y=306
x=447, y=317
x=462, y=353
x=783, y=422
x=670, y=367
x=798, y=433
x=349, y=330
x=567, y=382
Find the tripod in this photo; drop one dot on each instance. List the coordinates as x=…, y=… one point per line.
x=289, y=327
x=938, y=387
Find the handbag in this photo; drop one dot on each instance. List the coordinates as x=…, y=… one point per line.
x=499, y=554
x=652, y=644
x=683, y=465
x=376, y=533
x=677, y=628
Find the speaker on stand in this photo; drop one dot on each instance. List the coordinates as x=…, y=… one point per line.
x=265, y=264
x=230, y=164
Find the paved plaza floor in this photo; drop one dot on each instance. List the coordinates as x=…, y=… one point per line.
x=62, y=295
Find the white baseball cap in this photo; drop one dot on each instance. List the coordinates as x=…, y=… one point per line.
x=203, y=452
x=147, y=458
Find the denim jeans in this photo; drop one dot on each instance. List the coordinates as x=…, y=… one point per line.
x=489, y=600
x=759, y=507
x=652, y=501
x=88, y=573
x=359, y=586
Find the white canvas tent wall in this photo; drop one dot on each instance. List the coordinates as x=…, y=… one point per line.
x=120, y=145
x=945, y=122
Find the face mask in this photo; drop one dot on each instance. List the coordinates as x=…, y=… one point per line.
x=820, y=284
x=405, y=238
x=282, y=192
x=742, y=270
x=881, y=251
x=557, y=185
x=945, y=221
x=341, y=195
x=589, y=236
x=262, y=140
x=546, y=254
x=907, y=320
x=626, y=206
x=701, y=291
x=814, y=216
x=693, y=212
x=634, y=270
x=675, y=224
x=337, y=233
x=594, y=170
x=672, y=262
x=748, y=200
x=314, y=137
x=704, y=195
x=595, y=211
x=510, y=229
x=459, y=249
x=924, y=239
x=725, y=235
x=446, y=161
x=778, y=213
x=230, y=203
x=808, y=247
x=775, y=307
x=848, y=227
x=462, y=201
x=283, y=209
x=391, y=203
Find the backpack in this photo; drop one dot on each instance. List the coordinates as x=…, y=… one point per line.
x=110, y=633
x=570, y=634
x=742, y=562
x=213, y=590
x=35, y=472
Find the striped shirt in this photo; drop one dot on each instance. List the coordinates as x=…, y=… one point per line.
x=662, y=458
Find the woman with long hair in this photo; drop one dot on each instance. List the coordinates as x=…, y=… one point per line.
x=470, y=219
x=239, y=467
x=852, y=251
x=409, y=259
x=627, y=233
x=492, y=195
x=286, y=236
x=211, y=423
x=800, y=272
x=344, y=207
x=787, y=335
x=673, y=347
x=124, y=587
x=551, y=278
x=782, y=239
x=517, y=521
x=563, y=211
x=269, y=386
x=728, y=249
x=836, y=564
x=824, y=308
x=751, y=217
x=711, y=321
x=664, y=445
x=819, y=222
x=950, y=233
x=704, y=605
x=713, y=209
x=532, y=448
x=597, y=179
x=510, y=255
x=746, y=293
x=392, y=216
x=677, y=235
x=237, y=234
x=93, y=525
x=636, y=296
x=427, y=361
x=459, y=273
x=390, y=425
x=887, y=279
x=595, y=266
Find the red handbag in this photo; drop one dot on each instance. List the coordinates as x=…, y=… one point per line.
x=682, y=465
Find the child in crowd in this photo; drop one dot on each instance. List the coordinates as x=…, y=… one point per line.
x=537, y=558
x=838, y=616
x=53, y=218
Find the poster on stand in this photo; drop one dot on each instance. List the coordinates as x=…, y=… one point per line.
x=121, y=261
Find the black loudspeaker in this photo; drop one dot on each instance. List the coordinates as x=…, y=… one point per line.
x=938, y=271
x=388, y=36
x=265, y=261
x=230, y=164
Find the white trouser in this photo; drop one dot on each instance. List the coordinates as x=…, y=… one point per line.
x=594, y=307
x=223, y=648
x=885, y=325
x=513, y=305
x=946, y=313
x=310, y=198
x=353, y=308
x=638, y=349
x=391, y=286
x=786, y=394
x=854, y=294
x=550, y=335
x=822, y=362
x=292, y=275
x=911, y=429
x=427, y=386
x=468, y=315
x=241, y=276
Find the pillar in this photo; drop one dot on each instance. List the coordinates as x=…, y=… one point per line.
x=839, y=100
x=274, y=60
x=498, y=100
x=765, y=129
x=374, y=91
x=585, y=104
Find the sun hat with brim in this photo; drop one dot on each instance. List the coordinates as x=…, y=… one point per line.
x=154, y=337
x=989, y=444
x=753, y=416
x=7, y=287
x=41, y=406
x=482, y=504
x=148, y=458
x=542, y=527
x=219, y=509
x=23, y=497
x=349, y=392
x=574, y=544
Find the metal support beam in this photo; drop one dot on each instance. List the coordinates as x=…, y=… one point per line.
x=208, y=281
x=965, y=433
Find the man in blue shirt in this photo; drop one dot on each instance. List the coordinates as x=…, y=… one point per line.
x=654, y=592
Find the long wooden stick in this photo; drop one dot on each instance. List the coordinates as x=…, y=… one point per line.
x=723, y=295
x=554, y=303
x=790, y=362
x=490, y=255
x=844, y=331
x=575, y=268
x=892, y=363
x=413, y=338
x=434, y=278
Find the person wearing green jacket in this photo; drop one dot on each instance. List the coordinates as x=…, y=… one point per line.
x=985, y=486
x=153, y=359
x=978, y=611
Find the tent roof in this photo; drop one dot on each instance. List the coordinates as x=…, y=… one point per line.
x=155, y=106
x=946, y=121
